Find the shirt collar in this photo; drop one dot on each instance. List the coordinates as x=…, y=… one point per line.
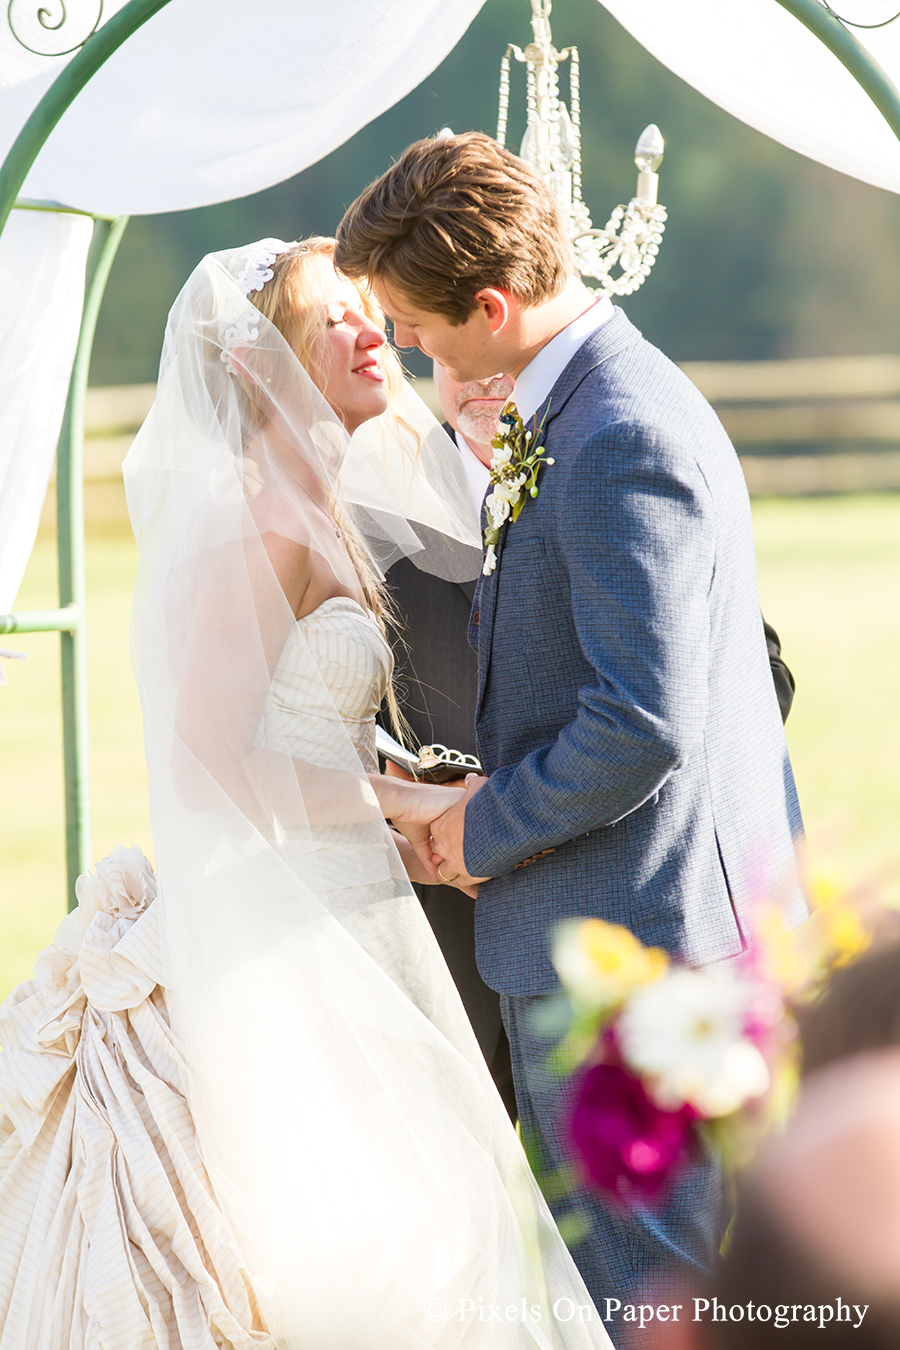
x=534, y=383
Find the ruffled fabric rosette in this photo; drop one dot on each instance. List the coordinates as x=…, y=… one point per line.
x=110, y=1235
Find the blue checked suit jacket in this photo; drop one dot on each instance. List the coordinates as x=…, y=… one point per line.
x=626, y=713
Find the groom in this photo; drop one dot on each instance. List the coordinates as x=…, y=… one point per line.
x=626, y=716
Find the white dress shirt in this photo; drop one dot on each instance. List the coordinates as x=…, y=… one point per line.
x=477, y=474
x=540, y=375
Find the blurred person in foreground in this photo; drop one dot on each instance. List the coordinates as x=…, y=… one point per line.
x=859, y=1010
x=636, y=768
x=817, y=1237
x=437, y=684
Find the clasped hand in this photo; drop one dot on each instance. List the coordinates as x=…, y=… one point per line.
x=432, y=820
x=447, y=833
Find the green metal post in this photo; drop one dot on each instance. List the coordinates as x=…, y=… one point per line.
x=852, y=55
x=70, y=619
x=67, y=85
x=70, y=548
x=40, y=620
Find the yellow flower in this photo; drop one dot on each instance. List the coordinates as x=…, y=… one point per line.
x=601, y=963
x=797, y=959
x=782, y=954
x=843, y=931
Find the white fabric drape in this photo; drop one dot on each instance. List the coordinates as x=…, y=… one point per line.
x=42, y=264
x=757, y=61
x=214, y=99
x=211, y=99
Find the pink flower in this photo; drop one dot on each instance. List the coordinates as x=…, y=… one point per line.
x=626, y=1145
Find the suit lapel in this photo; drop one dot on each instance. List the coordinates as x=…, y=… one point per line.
x=615, y=335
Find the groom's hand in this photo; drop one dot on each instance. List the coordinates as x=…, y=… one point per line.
x=447, y=837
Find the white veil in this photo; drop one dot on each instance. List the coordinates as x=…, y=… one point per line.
x=350, y=1127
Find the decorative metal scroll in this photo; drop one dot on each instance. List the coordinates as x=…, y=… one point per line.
x=867, y=12
x=48, y=28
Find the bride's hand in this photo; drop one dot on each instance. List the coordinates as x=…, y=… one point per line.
x=417, y=873
x=411, y=807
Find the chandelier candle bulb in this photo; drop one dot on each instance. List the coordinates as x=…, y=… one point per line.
x=648, y=155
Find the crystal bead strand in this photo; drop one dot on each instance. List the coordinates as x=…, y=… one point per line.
x=530, y=106
x=575, y=106
x=553, y=148
x=503, y=106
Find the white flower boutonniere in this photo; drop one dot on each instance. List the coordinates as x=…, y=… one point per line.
x=518, y=459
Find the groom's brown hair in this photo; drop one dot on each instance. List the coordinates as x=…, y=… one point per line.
x=451, y=217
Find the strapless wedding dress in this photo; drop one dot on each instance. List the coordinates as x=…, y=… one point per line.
x=393, y=1190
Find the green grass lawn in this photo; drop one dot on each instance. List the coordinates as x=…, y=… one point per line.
x=829, y=574
x=830, y=582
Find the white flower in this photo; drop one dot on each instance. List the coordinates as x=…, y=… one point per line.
x=497, y=508
x=490, y=560
x=511, y=489
x=124, y=885
x=686, y=1033
x=501, y=458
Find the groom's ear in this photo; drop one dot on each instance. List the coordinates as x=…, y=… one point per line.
x=496, y=306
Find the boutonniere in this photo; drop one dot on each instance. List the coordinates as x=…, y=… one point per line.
x=518, y=459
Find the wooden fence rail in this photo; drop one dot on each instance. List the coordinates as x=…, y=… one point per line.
x=829, y=424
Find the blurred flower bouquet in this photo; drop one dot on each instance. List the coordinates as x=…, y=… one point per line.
x=670, y=1060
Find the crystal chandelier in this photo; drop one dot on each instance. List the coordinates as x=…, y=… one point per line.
x=629, y=242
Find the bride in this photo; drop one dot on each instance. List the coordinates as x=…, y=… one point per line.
x=248, y=1111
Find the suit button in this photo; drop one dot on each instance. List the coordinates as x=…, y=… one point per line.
x=475, y=616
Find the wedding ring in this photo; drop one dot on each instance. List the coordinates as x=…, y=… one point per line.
x=446, y=880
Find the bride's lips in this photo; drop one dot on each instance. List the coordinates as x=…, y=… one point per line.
x=372, y=370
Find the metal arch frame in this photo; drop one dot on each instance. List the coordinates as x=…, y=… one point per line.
x=95, y=51
x=68, y=620
x=827, y=27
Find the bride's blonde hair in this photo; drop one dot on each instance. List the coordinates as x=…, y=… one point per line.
x=288, y=304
